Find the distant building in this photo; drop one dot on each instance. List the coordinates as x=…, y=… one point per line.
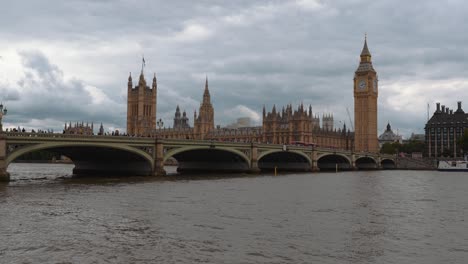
x=389, y=137
x=101, y=130
x=444, y=129
x=416, y=137
x=327, y=122
x=180, y=122
x=78, y=129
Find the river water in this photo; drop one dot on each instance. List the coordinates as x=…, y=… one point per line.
x=47, y=216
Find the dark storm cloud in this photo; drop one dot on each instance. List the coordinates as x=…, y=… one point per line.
x=44, y=94
x=254, y=53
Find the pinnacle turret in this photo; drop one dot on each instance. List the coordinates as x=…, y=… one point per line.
x=142, y=81
x=155, y=84
x=130, y=82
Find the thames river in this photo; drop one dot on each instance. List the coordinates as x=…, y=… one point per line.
x=47, y=216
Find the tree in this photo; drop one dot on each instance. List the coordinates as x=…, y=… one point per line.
x=389, y=148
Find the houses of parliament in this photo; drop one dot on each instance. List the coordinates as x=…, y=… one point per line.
x=290, y=125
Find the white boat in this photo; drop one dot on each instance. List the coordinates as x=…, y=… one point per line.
x=456, y=165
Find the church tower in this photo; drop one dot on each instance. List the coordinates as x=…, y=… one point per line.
x=204, y=123
x=141, y=106
x=365, y=104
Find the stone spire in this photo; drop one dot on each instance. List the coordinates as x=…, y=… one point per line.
x=366, y=62
x=206, y=93
x=365, y=49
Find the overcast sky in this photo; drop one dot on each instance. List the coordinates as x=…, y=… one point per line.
x=70, y=60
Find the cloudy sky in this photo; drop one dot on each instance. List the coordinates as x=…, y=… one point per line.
x=70, y=60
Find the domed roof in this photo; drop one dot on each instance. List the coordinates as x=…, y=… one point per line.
x=388, y=135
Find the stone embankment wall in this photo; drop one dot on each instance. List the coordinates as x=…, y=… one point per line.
x=404, y=163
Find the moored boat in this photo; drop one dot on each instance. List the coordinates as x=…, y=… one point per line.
x=455, y=165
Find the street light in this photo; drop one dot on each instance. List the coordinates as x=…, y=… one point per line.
x=160, y=123
x=2, y=113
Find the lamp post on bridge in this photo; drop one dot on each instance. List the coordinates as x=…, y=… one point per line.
x=160, y=124
x=3, y=112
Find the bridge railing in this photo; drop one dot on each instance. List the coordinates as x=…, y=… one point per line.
x=58, y=135
x=169, y=141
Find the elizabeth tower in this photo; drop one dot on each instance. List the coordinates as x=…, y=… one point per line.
x=365, y=104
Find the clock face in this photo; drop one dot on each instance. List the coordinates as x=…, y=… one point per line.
x=362, y=85
x=375, y=85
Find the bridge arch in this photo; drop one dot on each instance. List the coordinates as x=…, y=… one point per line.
x=96, y=158
x=333, y=161
x=291, y=160
x=366, y=163
x=208, y=158
x=388, y=164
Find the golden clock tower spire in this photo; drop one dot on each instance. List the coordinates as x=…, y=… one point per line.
x=365, y=104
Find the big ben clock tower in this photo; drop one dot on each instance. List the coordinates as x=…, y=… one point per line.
x=365, y=104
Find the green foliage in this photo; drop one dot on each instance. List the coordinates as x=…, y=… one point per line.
x=388, y=148
x=413, y=146
x=42, y=155
x=410, y=147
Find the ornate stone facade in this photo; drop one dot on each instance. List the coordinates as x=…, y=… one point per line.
x=288, y=126
x=302, y=127
x=141, y=106
x=365, y=104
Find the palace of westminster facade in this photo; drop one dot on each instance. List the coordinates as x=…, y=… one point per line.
x=286, y=126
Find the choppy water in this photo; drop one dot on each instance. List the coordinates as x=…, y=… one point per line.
x=350, y=217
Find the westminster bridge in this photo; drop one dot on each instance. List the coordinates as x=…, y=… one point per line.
x=146, y=156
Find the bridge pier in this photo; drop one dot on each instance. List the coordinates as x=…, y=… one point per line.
x=353, y=162
x=254, y=159
x=313, y=157
x=379, y=162
x=158, y=169
x=4, y=175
